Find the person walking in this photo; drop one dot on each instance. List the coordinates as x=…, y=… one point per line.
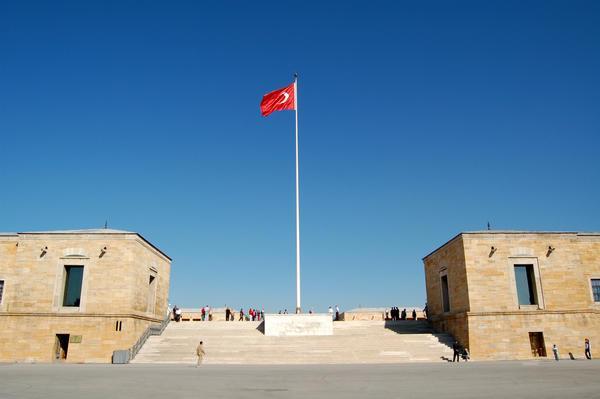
x=200, y=353
x=555, y=351
x=414, y=314
x=330, y=311
x=456, y=352
x=241, y=314
x=337, y=313
x=588, y=349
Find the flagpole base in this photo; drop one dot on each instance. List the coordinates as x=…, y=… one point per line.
x=298, y=310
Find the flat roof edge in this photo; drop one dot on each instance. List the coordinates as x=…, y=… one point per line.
x=442, y=246
x=482, y=232
x=95, y=232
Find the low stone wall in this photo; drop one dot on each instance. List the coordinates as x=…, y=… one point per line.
x=196, y=315
x=377, y=315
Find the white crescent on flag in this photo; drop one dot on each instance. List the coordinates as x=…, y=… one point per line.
x=286, y=95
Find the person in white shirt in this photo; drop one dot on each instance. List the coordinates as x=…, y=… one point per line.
x=330, y=311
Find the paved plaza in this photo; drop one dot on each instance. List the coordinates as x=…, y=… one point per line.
x=531, y=379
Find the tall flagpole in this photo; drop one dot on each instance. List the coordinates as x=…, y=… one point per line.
x=298, y=306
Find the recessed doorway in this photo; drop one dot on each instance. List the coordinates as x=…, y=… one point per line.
x=61, y=347
x=538, y=346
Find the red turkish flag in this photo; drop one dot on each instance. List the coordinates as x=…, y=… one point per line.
x=279, y=100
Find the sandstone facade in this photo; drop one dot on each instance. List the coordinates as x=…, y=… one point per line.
x=486, y=310
x=124, y=289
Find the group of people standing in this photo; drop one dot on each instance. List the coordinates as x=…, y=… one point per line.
x=459, y=352
x=253, y=314
x=396, y=314
x=335, y=317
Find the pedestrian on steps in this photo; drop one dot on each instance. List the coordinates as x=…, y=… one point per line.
x=200, y=353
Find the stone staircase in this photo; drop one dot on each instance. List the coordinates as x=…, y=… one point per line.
x=243, y=343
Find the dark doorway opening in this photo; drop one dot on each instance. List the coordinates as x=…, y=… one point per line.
x=61, y=347
x=445, y=294
x=538, y=347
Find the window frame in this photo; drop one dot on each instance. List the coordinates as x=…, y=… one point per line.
x=444, y=273
x=539, y=291
x=591, y=285
x=2, y=291
x=67, y=270
x=531, y=284
x=152, y=291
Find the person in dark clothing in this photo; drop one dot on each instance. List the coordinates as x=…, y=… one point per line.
x=414, y=314
x=227, y=313
x=588, y=349
x=456, y=352
x=403, y=317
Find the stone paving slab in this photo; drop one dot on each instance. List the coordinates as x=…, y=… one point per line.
x=527, y=380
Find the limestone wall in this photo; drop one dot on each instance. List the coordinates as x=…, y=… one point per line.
x=448, y=260
x=501, y=336
x=116, y=282
x=33, y=338
x=115, y=287
x=561, y=275
x=494, y=325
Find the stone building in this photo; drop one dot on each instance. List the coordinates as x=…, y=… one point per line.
x=512, y=295
x=77, y=296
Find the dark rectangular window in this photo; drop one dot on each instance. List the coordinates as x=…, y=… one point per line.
x=73, y=280
x=595, y=289
x=525, y=280
x=445, y=294
x=1, y=289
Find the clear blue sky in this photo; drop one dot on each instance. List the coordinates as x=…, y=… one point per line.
x=418, y=120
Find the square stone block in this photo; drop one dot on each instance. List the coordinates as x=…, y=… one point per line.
x=287, y=325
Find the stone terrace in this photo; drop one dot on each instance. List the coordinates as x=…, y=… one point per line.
x=243, y=343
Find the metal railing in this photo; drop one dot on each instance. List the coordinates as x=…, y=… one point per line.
x=151, y=330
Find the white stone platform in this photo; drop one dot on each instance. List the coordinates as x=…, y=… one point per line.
x=294, y=325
